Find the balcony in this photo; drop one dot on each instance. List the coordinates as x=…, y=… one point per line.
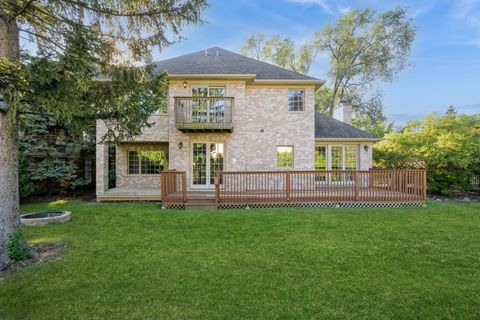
x=203, y=114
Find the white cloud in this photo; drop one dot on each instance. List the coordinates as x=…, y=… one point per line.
x=341, y=7
x=322, y=3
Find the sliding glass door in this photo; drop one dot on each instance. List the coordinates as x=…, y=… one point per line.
x=336, y=157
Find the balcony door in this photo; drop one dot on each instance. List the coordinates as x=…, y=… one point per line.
x=207, y=158
x=209, y=107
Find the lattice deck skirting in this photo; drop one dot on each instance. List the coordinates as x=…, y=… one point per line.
x=173, y=205
x=312, y=205
x=326, y=205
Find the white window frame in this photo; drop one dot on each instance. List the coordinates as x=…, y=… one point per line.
x=140, y=164
x=293, y=156
x=208, y=89
x=326, y=156
x=288, y=99
x=208, y=185
x=329, y=154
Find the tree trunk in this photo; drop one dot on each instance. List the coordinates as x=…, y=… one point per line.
x=9, y=199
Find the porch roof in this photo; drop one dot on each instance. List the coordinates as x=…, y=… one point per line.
x=328, y=128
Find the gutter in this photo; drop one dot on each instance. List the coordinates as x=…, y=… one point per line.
x=349, y=139
x=250, y=76
x=316, y=82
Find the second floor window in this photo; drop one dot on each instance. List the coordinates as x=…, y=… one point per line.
x=208, y=105
x=208, y=91
x=296, y=100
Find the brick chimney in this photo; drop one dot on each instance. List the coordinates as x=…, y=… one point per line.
x=344, y=112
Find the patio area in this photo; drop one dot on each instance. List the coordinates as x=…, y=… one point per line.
x=131, y=194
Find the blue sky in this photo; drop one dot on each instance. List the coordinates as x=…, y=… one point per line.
x=445, y=55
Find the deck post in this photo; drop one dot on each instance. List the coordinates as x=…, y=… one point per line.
x=424, y=185
x=217, y=189
x=287, y=185
x=184, y=186
x=162, y=187
x=355, y=174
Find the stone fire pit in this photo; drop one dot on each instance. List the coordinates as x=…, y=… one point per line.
x=43, y=218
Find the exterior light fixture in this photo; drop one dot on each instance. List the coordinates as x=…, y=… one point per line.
x=180, y=145
x=184, y=84
x=365, y=147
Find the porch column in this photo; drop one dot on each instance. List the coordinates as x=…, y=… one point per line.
x=101, y=168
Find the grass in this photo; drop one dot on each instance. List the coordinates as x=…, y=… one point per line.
x=138, y=262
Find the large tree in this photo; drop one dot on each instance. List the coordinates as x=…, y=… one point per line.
x=76, y=41
x=364, y=47
x=280, y=51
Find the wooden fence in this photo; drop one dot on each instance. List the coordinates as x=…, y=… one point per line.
x=284, y=187
x=173, y=188
x=471, y=186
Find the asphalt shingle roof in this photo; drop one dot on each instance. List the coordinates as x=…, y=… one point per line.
x=330, y=128
x=220, y=61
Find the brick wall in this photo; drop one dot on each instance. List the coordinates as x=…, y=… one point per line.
x=261, y=123
x=125, y=180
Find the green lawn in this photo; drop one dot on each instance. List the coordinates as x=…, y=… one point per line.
x=138, y=262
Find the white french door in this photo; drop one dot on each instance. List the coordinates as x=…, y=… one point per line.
x=207, y=158
x=209, y=107
x=336, y=157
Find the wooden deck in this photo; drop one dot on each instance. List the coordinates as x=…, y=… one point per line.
x=297, y=188
x=284, y=188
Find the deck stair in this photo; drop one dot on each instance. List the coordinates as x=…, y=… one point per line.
x=200, y=200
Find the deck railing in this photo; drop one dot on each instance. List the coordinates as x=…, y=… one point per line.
x=173, y=188
x=203, y=113
x=283, y=187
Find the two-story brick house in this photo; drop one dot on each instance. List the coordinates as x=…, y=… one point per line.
x=228, y=112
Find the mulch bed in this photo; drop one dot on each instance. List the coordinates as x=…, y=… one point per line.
x=40, y=253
